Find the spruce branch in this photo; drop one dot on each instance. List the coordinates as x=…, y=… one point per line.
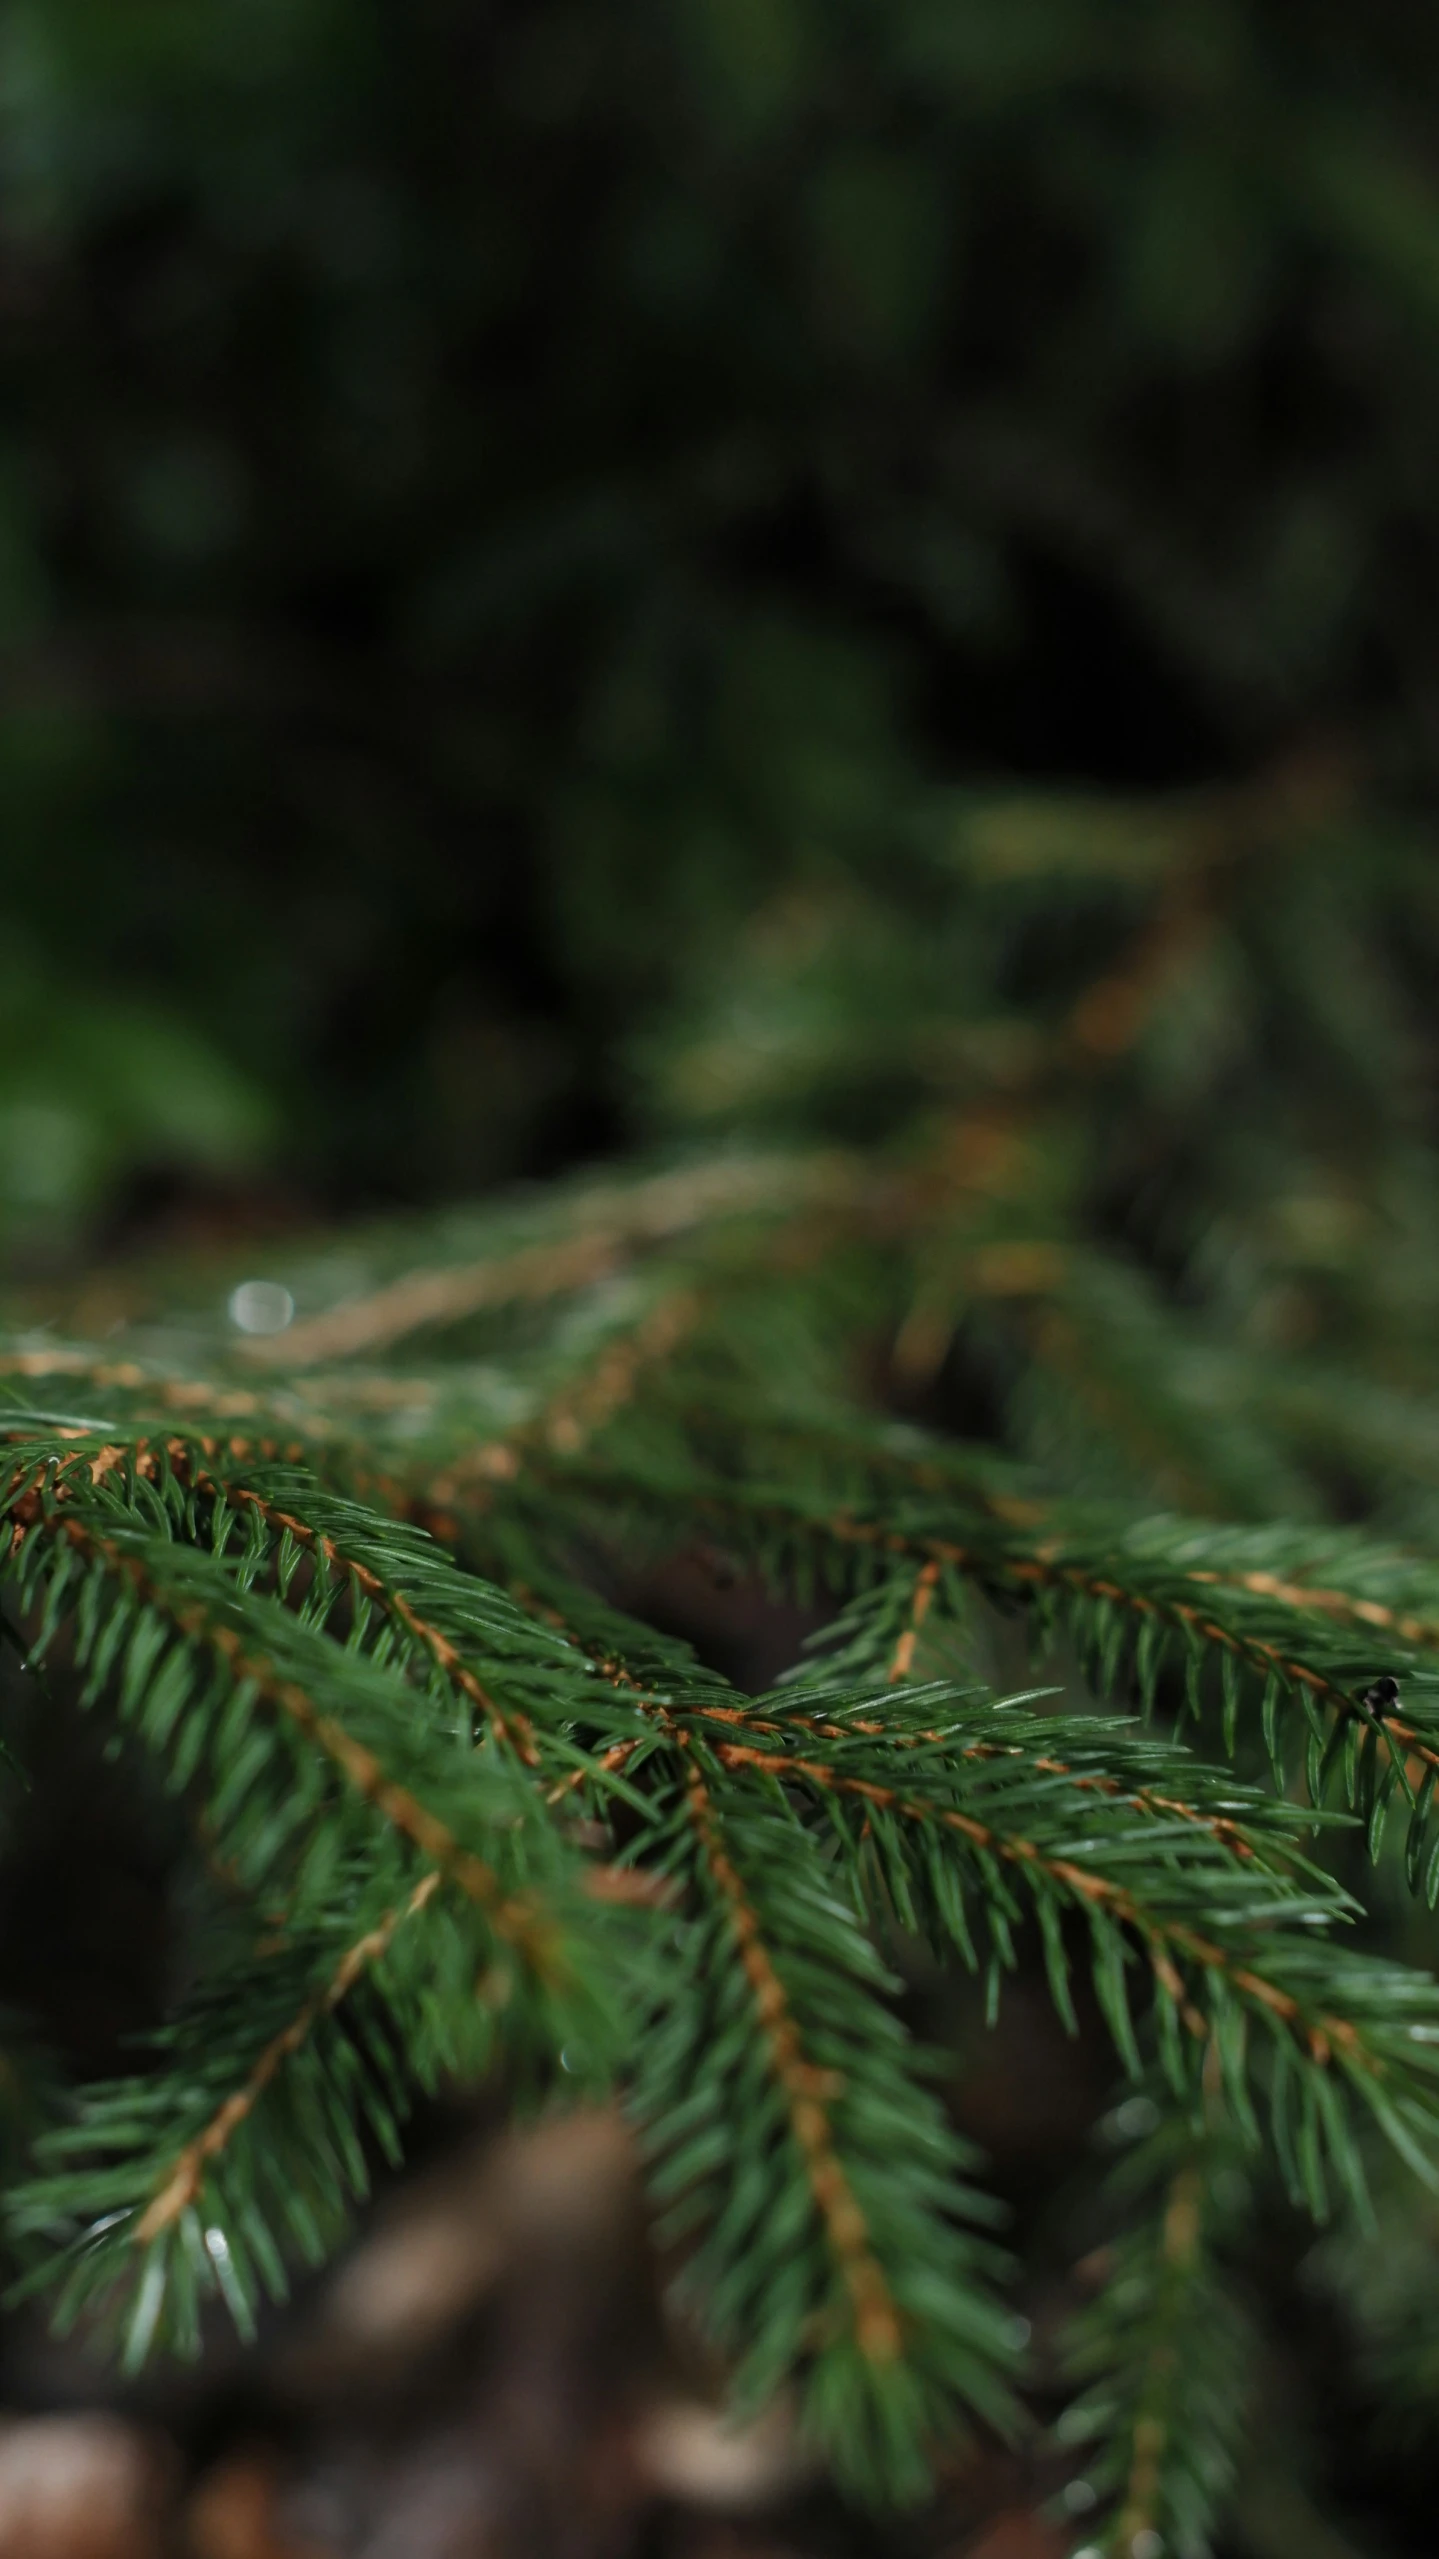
x=1164, y=2346
x=290, y=2066
x=606, y=1225
x=1220, y=1939
x=792, y=2129
x=184, y=2183
x=1139, y=1604
x=581, y=1405
x=198, y=1650
x=1196, y=1814
x=511, y=1725
x=806, y=2089
x=252, y=2109
x=437, y=1769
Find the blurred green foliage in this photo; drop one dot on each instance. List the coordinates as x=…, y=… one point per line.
x=528, y=535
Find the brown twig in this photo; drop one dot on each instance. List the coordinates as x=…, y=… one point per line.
x=184, y=2181
x=510, y=1724
x=179, y=1394
x=1040, y=1571
x=619, y=1221
x=924, y=1584
x=1228, y=1833
x=184, y=1458
x=1098, y=1890
x=1179, y=2248
x=1420, y=1631
x=513, y=1917
x=583, y=1405
x=807, y=2092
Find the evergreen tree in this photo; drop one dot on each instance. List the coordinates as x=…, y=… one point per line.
x=828, y=608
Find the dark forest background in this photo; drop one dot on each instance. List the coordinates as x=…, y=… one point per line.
x=519, y=525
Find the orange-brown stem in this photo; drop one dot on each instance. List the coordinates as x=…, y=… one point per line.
x=808, y=2093
x=1099, y=1890
x=510, y=1915
x=583, y=1405
x=183, y=2184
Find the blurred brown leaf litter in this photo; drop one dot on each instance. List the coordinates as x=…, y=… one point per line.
x=488, y=2375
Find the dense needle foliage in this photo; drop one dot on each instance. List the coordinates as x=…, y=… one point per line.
x=817, y=625
x=359, y=1585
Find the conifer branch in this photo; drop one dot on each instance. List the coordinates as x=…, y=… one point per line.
x=805, y=2089
x=1179, y=2242
x=793, y=2134
x=1164, y=2347
x=1132, y=1610
x=1167, y=1941
x=779, y=1717
x=373, y=1729
x=511, y=1918
x=174, y=1590
x=580, y=1407
x=612, y=1223
x=511, y=1725
x=902, y=1660
x=1420, y=1632
x=1352, y=2030
x=255, y=2109
x=183, y=2184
